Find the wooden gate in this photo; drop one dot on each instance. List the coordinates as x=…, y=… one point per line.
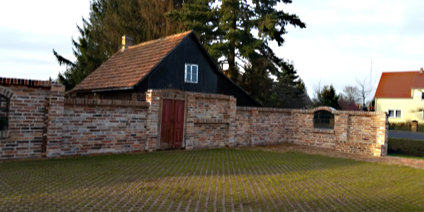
x=172, y=126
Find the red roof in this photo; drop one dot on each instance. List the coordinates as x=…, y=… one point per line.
x=126, y=68
x=399, y=84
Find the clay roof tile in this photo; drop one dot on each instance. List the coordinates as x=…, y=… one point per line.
x=399, y=84
x=126, y=68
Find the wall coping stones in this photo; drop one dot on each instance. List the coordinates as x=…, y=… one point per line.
x=330, y=109
x=25, y=82
x=105, y=102
x=264, y=109
x=208, y=95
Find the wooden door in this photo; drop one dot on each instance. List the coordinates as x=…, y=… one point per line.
x=172, y=125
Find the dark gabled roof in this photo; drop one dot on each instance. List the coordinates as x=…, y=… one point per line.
x=126, y=68
x=346, y=105
x=399, y=84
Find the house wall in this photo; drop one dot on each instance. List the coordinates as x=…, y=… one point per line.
x=169, y=74
x=412, y=108
x=43, y=123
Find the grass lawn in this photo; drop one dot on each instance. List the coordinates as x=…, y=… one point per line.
x=212, y=180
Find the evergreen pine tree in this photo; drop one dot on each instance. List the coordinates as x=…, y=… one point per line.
x=237, y=33
x=100, y=34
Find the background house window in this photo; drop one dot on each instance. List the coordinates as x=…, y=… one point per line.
x=398, y=114
x=391, y=113
x=422, y=94
x=395, y=113
x=4, y=112
x=323, y=119
x=191, y=73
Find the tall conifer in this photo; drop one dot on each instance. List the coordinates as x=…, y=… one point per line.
x=100, y=34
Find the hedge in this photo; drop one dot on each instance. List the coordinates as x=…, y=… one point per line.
x=406, y=147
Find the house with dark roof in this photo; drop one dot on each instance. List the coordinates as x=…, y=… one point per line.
x=347, y=105
x=401, y=96
x=175, y=62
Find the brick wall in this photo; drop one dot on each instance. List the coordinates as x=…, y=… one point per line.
x=209, y=120
x=102, y=126
x=263, y=126
x=214, y=121
x=355, y=132
x=27, y=117
x=54, y=120
x=42, y=122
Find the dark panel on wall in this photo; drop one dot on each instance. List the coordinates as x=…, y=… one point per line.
x=170, y=72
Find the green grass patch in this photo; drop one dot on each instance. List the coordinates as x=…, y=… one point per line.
x=211, y=180
x=407, y=147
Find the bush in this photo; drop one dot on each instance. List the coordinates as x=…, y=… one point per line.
x=405, y=126
x=406, y=147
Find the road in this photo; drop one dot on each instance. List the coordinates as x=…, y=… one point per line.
x=406, y=134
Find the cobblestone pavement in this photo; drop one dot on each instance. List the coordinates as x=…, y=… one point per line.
x=209, y=180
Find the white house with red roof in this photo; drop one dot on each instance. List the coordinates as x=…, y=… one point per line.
x=401, y=96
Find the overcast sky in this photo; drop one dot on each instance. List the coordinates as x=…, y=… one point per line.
x=29, y=30
x=337, y=47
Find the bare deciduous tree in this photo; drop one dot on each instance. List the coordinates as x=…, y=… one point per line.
x=364, y=90
x=351, y=94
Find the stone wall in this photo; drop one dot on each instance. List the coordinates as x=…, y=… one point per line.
x=102, y=126
x=25, y=135
x=209, y=120
x=214, y=121
x=355, y=132
x=263, y=126
x=43, y=123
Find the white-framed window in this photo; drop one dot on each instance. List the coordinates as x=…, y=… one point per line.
x=395, y=113
x=191, y=73
x=422, y=94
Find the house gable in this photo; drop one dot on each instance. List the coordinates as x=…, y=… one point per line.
x=159, y=64
x=399, y=94
x=399, y=84
x=127, y=66
x=169, y=73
